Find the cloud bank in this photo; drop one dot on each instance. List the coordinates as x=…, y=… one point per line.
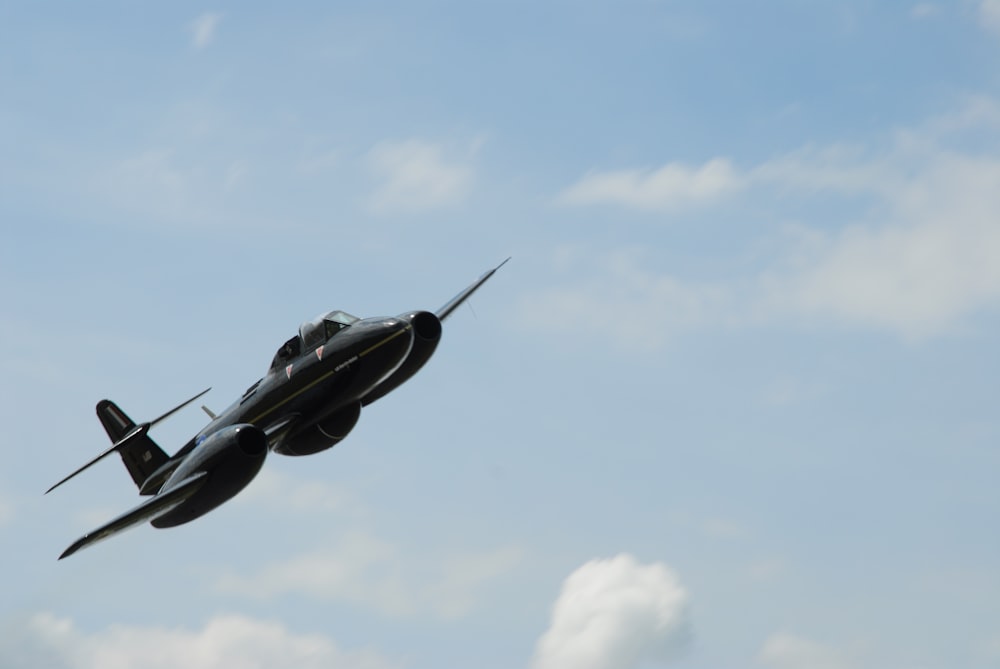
x=912, y=254
x=379, y=576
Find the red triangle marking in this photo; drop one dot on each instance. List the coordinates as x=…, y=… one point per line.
x=319, y=353
x=288, y=371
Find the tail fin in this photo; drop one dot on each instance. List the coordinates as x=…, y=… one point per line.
x=142, y=456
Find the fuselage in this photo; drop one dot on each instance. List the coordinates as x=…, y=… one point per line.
x=326, y=376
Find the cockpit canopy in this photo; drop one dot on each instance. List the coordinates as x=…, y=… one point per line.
x=311, y=334
x=318, y=330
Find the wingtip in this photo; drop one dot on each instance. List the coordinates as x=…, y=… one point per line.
x=72, y=549
x=506, y=260
x=457, y=301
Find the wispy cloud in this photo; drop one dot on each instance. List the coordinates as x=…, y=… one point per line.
x=178, y=186
x=225, y=641
x=923, y=10
x=203, y=29
x=648, y=306
x=416, y=175
x=616, y=614
x=915, y=256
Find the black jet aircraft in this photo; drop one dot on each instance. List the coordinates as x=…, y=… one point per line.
x=309, y=400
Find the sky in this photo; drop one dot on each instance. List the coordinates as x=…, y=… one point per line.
x=731, y=404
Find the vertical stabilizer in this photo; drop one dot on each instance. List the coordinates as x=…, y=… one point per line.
x=141, y=456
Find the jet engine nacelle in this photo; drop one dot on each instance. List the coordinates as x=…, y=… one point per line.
x=426, y=335
x=322, y=434
x=230, y=457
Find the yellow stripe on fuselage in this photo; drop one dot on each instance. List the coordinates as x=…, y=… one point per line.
x=324, y=377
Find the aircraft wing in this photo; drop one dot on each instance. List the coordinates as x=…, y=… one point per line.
x=274, y=430
x=146, y=511
x=456, y=302
x=279, y=429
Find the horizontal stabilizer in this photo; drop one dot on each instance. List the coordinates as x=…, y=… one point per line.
x=148, y=510
x=92, y=462
x=456, y=301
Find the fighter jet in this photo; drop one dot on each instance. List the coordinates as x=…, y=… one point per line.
x=308, y=401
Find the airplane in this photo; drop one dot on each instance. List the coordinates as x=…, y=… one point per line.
x=309, y=400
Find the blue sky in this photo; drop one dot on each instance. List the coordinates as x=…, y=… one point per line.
x=730, y=405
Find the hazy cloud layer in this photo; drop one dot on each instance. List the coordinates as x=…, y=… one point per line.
x=616, y=614
x=785, y=651
x=278, y=491
x=379, y=576
x=648, y=306
x=223, y=643
x=170, y=185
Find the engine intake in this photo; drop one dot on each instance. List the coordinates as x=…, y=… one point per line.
x=231, y=457
x=426, y=335
x=323, y=434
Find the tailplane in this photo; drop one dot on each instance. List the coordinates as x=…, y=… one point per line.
x=141, y=456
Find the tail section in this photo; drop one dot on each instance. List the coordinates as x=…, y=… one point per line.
x=141, y=455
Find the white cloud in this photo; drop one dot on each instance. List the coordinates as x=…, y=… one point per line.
x=616, y=614
x=785, y=651
x=989, y=15
x=416, y=175
x=670, y=186
x=378, y=575
x=225, y=641
x=203, y=29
